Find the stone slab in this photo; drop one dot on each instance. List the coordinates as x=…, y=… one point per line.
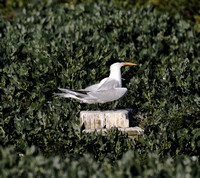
x=131, y=131
x=105, y=119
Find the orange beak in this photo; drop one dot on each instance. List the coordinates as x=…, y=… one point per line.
x=129, y=64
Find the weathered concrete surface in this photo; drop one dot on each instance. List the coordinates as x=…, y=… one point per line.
x=131, y=131
x=105, y=119
x=92, y=119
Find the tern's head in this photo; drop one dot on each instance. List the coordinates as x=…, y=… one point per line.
x=118, y=65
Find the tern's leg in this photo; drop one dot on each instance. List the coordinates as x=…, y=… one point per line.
x=98, y=107
x=115, y=104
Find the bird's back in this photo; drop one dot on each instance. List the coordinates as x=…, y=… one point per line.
x=103, y=96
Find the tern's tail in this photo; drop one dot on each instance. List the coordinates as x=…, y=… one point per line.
x=71, y=93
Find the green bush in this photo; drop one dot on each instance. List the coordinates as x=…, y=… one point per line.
x=49, y=46
x=33, y=164
x=188, y=9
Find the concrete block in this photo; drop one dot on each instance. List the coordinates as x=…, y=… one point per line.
x=105, y=119
x=92, y=119
x=118, y=118
x=131, y=131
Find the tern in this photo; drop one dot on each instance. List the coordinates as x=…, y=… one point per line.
x=109, y=89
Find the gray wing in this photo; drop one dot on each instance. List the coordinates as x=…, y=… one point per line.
x=109, y=84
x=84, y=91
x=72, y=93
x=95, y=86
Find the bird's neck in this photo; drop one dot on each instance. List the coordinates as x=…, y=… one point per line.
x=116, y=74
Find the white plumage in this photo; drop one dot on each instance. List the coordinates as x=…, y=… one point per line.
x=109, y=89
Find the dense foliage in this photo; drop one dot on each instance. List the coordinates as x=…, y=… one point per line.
x=49, y=46
x=35, y=165
x=188, y=9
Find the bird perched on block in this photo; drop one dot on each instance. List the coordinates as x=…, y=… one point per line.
x=109, y=89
